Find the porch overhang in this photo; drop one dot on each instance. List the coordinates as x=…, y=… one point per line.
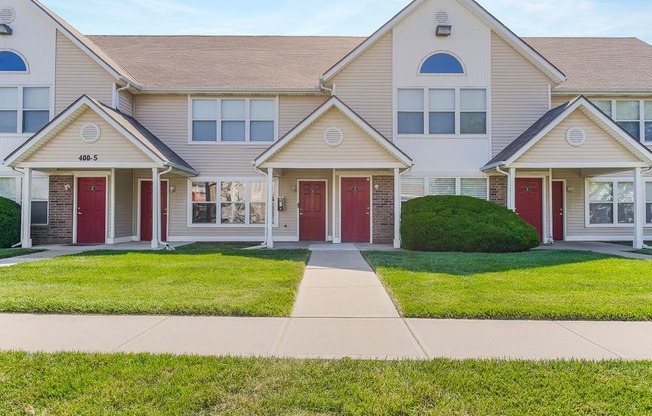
x=361, y=146
x=145, y=150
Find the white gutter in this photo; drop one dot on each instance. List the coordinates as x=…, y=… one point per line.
x=116, y=98
x=158, y=207
x=264, y=243
x=325, y=88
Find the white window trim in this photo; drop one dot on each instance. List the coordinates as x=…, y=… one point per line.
x=247, y=202
x=219, y=120
x=20, y=109
x=587, y=203
x=458, y=184
x=426, y=111
x=641, y=120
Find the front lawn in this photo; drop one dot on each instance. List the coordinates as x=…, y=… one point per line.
x=546, y=284
x=194, y=280
x=6, y=253
x=83, y=384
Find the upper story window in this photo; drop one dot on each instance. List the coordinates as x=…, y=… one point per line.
x=233, y=120
x=24, y=109
x=450, y=111
x=635, y=116
x=11, y=62
x=441, y=63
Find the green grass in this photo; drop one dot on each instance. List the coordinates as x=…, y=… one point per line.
x=82, y=384
x=194, y=280
x=546, y=284
x=6, y=253
x=646, y=251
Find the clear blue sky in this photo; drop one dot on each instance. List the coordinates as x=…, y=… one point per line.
x=342, y=17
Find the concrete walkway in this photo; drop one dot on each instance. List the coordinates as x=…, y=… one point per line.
x=598, y=247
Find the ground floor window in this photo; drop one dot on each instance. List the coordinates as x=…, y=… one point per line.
x=648, y=202
x=417, y=187
x=10, y=189
x=230, y=202
x=611, y=202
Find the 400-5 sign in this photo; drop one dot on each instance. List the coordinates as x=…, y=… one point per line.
x=88, y=158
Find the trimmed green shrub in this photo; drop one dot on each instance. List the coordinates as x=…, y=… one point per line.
x=9, y=223
x=464, y=224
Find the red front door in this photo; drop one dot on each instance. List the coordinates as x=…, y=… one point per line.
x=91, y=210
x=146, y=204
x=558, y=211
x=356, y=210
x=529, y=202
x=312, y=211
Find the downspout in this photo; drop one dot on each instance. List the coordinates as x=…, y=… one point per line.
x=645, y=246
x=325, y=88
x=264, y=243
x=20, y=243
x=117, y=95
x=158, y=203
x=502, y=172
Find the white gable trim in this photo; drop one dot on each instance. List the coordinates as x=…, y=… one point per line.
x=501, y=30
x=79, y=40
x=633, y=145
x=334, y=102
x=44, y=136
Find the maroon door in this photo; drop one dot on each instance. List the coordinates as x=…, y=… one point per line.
x=146, y=204
x=91, y=211
x=356, y=210
x=312, y=211
x=558, y=211
x=529, y=202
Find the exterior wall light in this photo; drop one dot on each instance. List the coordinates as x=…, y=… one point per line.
x=444, y=30
x=570, y=189
x=173, y=189
x=5, y=30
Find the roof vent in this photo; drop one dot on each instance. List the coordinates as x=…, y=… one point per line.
x=91, y=133
x=333, y=136
x=575, y=136
x=442, y=17
x=7, y=15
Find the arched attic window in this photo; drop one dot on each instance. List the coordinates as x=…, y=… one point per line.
x=11, y=62
x=441, y=63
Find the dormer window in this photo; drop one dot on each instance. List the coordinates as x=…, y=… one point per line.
x=441, y=63
x=12, y=62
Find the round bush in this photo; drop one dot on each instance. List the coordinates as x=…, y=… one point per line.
x=464, y=224
x=9, y=223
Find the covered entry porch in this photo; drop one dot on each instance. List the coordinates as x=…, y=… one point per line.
x=338, y=180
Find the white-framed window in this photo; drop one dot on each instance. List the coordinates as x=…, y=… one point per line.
x=241, y=120
x=24, y=110
x=610, y=202
x=10, y=188
x=416, y=187
x=240, y=202
x=635, y=116
x=648, y=202
x=450, y=111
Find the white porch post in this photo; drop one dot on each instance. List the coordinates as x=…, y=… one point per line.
x=156, y=207
x=26, y=211
x=269, y=218
x=551, y=222
x=112, y=229
x=397, y=208
x=334, y=237
x=511, y=189
x=639, y=208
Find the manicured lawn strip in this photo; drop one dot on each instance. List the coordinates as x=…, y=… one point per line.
x=546, y=284
x=194, y=280
x=646, y=251
x=81, y=384
x=6, y=253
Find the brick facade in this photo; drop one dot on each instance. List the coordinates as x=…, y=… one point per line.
x=383, y=209
x=59, y=228
x=498, y=190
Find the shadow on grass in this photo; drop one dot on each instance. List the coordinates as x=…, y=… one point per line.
x=203, y=249
x=466, y=264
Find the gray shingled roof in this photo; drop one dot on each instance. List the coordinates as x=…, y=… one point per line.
x=599, y=64
x=227, y=62
x=147, y=138
x=529, y=134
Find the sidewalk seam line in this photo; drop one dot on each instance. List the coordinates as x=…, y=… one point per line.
x=141, y=334
x=589, y=340
x=416, y=339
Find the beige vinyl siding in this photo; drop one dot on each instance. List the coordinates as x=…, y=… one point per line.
x=126, y=103
x=293, y=110
x=77, y=74
x=366, y=85
x=357, y=147
x=599, y=146
x=167, y=117
x=558, y=100
x=67, y=146
x=124, y=202
x=519, y=94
